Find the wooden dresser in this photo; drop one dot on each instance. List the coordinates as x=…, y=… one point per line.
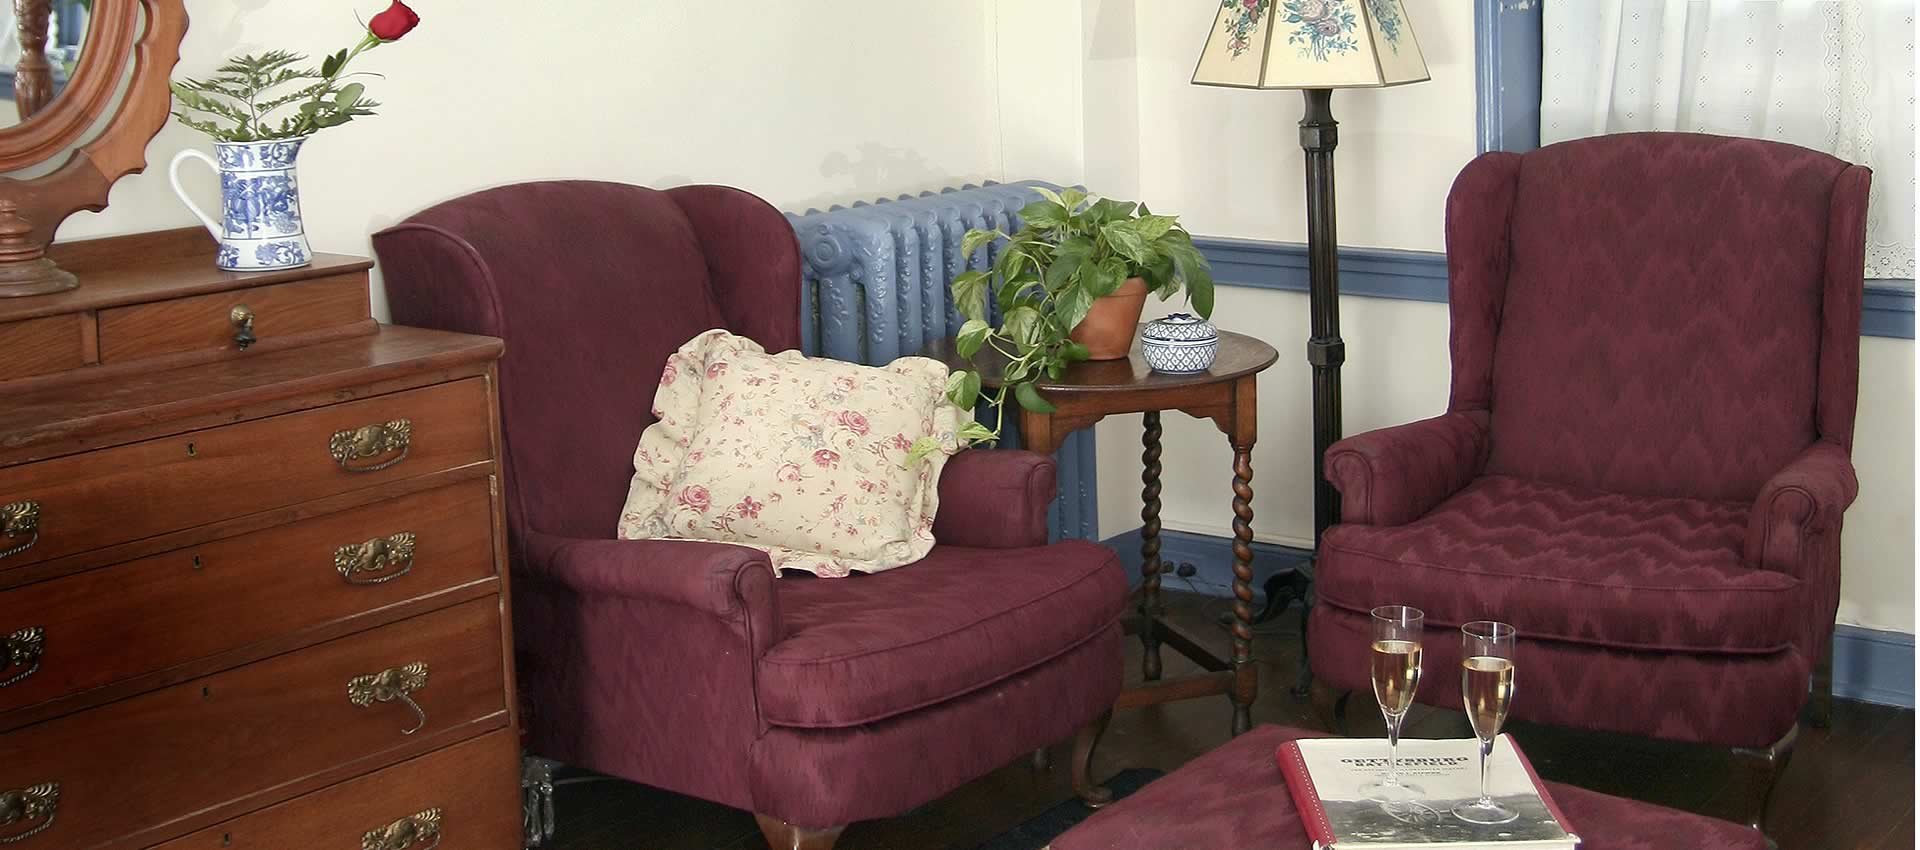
x=252, y=585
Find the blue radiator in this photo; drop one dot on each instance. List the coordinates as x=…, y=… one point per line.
x=876, y=277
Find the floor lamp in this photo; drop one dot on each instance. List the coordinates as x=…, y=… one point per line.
x=1315, y=46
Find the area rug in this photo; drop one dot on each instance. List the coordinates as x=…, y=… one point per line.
x=1044, y=827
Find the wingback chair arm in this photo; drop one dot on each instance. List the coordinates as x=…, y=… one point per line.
x=1799, y=504
x=1393, y=476
x=996, y=499
x=731, y=583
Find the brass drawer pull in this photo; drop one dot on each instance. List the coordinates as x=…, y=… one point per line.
x=241, y=317
x=377, y=555
x=371, y=441
x=393, y=683
x=404, y=833
x=19, y=519
x=28, y=804
x=22, y=649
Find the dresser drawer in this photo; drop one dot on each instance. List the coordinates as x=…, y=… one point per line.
x=470, y=790
x=39, y=346
x=205, y=323
x=227, y=743
x=112, y=624
x=124, y=493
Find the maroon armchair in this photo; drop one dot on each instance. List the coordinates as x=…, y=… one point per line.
x=687, y=665
x=1644, y=460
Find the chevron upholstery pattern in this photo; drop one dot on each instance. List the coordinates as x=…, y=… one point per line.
x=1645, y=459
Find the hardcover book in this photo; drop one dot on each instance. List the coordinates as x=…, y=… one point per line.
x=1324, y=776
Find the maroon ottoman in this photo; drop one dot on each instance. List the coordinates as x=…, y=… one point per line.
x=1234, y=797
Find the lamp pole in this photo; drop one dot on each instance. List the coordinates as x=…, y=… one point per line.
x=1319, y=133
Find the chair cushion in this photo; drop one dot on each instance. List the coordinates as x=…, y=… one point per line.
x=1563, y=563
x=869, y=647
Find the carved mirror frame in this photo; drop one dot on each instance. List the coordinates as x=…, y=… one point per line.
x=31, y=209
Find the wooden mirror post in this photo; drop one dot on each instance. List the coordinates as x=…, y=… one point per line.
x=31, y=209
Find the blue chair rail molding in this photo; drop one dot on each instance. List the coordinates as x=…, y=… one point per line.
x=1887, y=310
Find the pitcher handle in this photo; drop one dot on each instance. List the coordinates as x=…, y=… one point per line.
x=173, y=176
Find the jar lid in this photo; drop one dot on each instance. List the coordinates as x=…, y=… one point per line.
x=1180, y=327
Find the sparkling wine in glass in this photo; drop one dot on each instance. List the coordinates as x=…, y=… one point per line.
x=1396, y=674
x=1486, y=680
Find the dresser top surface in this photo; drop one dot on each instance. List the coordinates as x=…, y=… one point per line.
x=156, y=275
x=33, y=420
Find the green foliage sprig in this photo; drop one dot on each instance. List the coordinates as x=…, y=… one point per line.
x=1072, y=249
x=247, y=91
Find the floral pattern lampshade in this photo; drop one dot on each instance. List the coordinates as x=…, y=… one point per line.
x=1310, y=44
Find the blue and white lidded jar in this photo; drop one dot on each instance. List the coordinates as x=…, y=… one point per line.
x=1180, y=343
x=260, y=226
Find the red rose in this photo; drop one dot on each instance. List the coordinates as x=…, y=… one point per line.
x=826, y=458
x=396, y=21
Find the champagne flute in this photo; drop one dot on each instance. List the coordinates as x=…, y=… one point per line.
x=1396, y=674
x=1486, y=680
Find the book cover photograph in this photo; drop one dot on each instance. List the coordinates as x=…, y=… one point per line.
x=1326, y=776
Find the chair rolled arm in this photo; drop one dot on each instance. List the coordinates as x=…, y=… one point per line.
x=732, y=583
x=1799, y=504
x=996, y=499
x=1393, y=476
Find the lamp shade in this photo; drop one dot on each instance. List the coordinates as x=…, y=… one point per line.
x=1310, y=44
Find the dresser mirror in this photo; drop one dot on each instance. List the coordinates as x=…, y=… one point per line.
x=89, y=90
x=40, y=46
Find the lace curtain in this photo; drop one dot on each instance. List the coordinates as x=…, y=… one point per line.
x=1832, y=75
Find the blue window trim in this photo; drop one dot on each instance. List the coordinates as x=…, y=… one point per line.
x=1506, y=72
x=1507, y=76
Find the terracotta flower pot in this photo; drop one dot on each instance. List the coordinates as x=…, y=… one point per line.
x=1108, y=329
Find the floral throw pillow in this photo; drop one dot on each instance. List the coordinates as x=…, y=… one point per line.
x=805, y=459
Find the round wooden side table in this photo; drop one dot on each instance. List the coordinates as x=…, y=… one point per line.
x=1226, y=394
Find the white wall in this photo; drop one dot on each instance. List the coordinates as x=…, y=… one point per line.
x=860, y=98
x=803, y=103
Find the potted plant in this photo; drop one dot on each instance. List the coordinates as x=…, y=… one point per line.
x=1069, y=285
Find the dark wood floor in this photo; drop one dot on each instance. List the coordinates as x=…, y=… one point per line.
x=1848, y=788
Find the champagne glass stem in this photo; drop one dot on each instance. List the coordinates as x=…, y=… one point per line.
x=1393, y=747
x=1486, y=749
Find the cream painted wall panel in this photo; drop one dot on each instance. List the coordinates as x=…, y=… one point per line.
x=1877, y=554
x=1229, y=161
x=802, y=103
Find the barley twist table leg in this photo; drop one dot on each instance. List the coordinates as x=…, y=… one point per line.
x=1150, y=546
x=1245, y=675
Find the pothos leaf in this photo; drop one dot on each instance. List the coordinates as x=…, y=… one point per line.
x=972, y=336
x=974, y=432
x=1023, y=325
x=963, y=389
x=1043, y=214
x=920, y=449
x=1030, y=399
x=1049, y=194
x=1125, y=238
x=977, y=239
x=1070, y=306
x=970, y=294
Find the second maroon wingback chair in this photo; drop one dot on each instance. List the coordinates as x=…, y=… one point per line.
x=1645, y=455
x=687, y=665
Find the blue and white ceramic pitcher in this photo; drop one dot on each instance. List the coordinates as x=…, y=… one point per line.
x=260, y=226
